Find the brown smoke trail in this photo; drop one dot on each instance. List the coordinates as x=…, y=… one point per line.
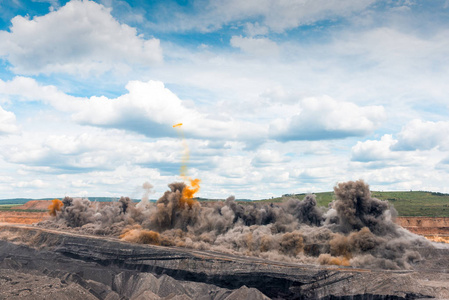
x=55, y=206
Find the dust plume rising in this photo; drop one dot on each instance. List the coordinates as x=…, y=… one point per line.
x=356, y=229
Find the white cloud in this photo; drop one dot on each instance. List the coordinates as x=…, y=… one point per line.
x=81, y=153
x=373, y=150
x=7, y=122
x=37, y=183
x=267, y=157
x=255, y=29
x=148, y=108
x=277, y=15
x=79, y=38
x=391, y=47
x=256, y=46
x=326, y=118
x=419, y=135
x=27, y=89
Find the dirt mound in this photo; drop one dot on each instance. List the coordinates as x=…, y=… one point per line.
x=35, y=205
x=24, y=217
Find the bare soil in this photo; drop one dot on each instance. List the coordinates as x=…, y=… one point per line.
x=35, y=205
x=434, y=229
x=25, y=217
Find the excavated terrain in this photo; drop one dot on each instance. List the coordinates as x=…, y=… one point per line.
x=38, y=263
x=435, y=229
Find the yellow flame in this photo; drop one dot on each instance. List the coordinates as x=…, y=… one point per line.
x=189, y=192
x=177, y=125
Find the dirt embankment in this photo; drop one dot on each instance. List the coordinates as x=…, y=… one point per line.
x=35, y=205
x=25, y=217
x=34, y=211
x=435, y=229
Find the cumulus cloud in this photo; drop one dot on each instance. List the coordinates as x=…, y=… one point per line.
x=373, y=150
x=37, y=183
x=79, y=38
x=149, y=108
x=255, y=29
x=96, y=150
x=325, y=118
x=255, y=46
x=423, y=135
x=267, y=157
x=7, y=122
x=390, y=46
x=28, y=89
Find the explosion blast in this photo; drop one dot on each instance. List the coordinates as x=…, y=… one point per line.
x=356, y=230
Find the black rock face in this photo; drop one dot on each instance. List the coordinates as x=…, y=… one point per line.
x=106, y=268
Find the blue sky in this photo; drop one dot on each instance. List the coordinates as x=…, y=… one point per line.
x=276, y=97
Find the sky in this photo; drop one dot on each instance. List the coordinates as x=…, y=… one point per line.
x=275, y=97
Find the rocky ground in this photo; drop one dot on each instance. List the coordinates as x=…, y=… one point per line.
x=44, y=264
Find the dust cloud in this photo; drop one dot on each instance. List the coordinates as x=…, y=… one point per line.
x=355, y=230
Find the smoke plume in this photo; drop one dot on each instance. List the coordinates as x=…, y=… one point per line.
x=55, y=206
x=356, y=230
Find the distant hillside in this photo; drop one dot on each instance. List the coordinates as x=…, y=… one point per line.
x=422, y=204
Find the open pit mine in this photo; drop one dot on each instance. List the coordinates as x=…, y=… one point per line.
x=178, y=248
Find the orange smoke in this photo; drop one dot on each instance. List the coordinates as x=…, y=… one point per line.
x=55, y=206
x=189, y=192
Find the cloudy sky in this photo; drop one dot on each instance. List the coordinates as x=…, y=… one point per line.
x=275, y=96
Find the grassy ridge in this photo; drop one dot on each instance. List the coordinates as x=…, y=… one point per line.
x=12, y=207
x=8, y=206
x=422, y=204
x=419, y=204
